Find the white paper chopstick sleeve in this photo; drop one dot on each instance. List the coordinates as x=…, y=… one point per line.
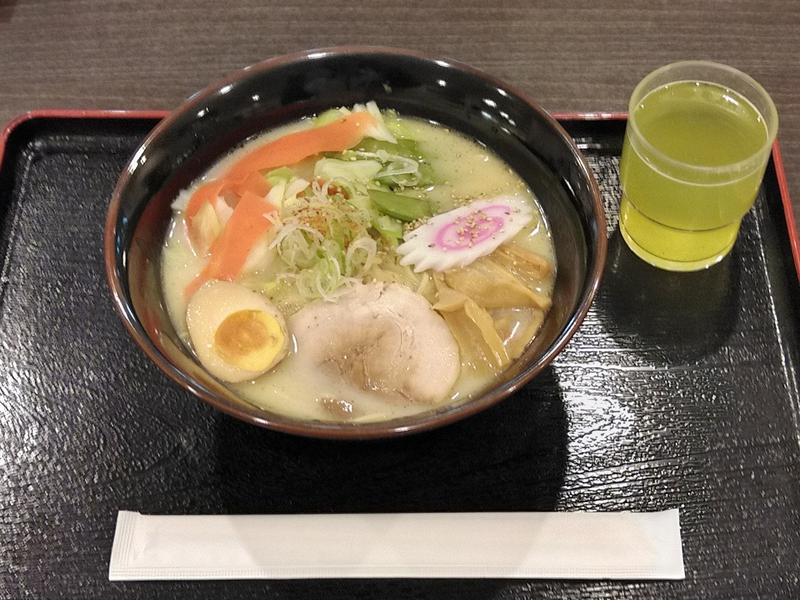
x=562, y=545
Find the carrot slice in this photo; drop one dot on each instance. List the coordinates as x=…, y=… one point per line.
x=245, y=174
x=208, y=192
x=294, y=147
x=255, y=183
x=248, y=221
x=229, y=251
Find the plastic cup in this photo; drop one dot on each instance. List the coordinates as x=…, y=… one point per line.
x=698, y=139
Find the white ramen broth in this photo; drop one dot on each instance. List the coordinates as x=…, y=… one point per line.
x=390, y=266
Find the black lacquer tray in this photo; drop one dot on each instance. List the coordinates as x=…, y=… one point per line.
x=680, y=390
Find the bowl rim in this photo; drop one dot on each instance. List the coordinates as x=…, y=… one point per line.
x=343, y=431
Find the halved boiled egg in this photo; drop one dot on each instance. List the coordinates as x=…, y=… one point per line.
x=237, y=334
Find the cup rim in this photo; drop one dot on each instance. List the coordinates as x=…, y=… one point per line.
x=771, y=119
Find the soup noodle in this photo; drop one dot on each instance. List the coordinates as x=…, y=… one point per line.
x=358, y=266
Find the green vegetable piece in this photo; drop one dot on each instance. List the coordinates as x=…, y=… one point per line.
x=281, y=174
x=403, y=147
x=426, y=176
x=406, y=148
x=400, y=207
x=329, y=116
x=390, y=228
x=394, y=124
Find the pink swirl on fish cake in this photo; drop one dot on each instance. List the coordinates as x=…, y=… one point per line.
x=473, y=228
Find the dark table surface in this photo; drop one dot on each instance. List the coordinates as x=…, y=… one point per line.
x=577, y=56
x=719, y=437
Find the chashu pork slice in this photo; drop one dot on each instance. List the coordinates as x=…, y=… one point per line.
x=382, y=338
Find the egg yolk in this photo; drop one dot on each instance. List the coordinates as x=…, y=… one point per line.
x=249, y=339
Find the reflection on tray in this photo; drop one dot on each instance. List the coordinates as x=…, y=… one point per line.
x=682, y=316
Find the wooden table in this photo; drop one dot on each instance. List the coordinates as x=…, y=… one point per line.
x=570, y=56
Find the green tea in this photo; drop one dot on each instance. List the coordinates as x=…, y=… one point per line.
x=688, y=174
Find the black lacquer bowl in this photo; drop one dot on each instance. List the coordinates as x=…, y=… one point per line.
x=287, y=88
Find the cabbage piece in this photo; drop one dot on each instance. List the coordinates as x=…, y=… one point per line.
x=223, y=209
x=404, y=165
x=260, y=257
x=399, y=171
x=295, y=187
x=276, y=193
x=330, y=116
x=379, y=130
x=493, y=286
x=356, y=171
x=284, y=174
x=206, y=227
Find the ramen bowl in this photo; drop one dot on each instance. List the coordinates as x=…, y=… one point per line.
x=284, y=89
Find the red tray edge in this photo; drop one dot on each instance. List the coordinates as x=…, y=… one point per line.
x=59, y=113
x=783, y=185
